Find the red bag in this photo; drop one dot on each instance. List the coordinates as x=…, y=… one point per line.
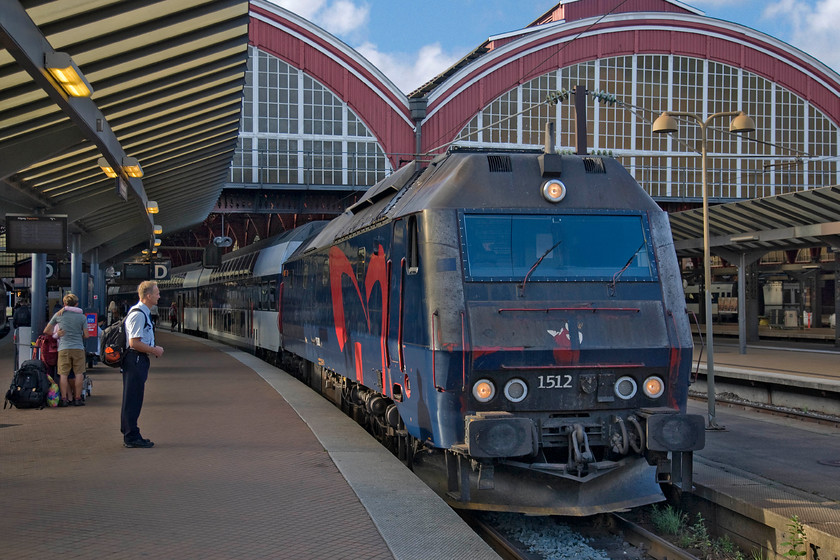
x=49, y=349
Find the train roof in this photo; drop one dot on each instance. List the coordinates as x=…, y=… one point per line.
x=261, y=258
x=484, y=179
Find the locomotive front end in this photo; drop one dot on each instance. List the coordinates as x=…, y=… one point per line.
x=577, y=348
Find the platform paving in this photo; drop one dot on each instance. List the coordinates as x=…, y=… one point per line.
x=247, y=463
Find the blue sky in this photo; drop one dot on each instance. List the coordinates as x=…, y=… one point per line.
x=411, y=42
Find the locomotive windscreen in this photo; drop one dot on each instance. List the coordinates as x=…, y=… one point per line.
x=572, y=247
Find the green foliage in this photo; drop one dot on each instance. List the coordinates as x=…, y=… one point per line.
x=669, y=521
x=725, y=546
x=696, y=536
x=796, y=539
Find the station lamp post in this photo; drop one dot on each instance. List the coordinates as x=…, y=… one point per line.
x=666, y=123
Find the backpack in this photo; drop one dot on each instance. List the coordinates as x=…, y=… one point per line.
x=114, y=344
x=30, y=386
x=49, y=349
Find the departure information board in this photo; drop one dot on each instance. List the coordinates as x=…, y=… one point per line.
x=36, y=234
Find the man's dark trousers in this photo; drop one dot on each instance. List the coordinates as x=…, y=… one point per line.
x=135, y=372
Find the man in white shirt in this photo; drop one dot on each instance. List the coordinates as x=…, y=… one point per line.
x=140, y=335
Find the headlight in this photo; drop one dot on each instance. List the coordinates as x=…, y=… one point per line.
x=516, y=390
x=484, y=390
x=553, y=190
x=654, y=387
x=625, y=388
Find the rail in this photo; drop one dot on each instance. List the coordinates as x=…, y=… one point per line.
x=795, y=394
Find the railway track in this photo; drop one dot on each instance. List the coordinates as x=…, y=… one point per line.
x=806, y=398
x=805, y=415
x=609, y=537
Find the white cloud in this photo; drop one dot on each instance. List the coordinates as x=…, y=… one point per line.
x=339, y=17
x=409, y=71
x=344, y=17
x=349, y=19
x=701, y=4
x=789, y=9
x=813, y=26
x=304, y=8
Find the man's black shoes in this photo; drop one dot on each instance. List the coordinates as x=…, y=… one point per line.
x=142, y=443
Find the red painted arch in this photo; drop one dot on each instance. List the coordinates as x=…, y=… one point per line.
x=383, y=110
x=457, y=101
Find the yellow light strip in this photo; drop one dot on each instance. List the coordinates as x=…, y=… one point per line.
x=132, y=167
x=106, y=167
x=62, y=68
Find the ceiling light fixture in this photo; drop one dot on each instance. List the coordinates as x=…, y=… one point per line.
x=62, y=68
x=106, y=167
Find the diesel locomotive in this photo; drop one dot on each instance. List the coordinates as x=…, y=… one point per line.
x=511, y=323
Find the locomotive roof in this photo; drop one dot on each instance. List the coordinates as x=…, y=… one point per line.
x=483, y=179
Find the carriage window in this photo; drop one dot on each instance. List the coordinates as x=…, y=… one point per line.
x=361, y=265
x=272, y=295
x=571, y=247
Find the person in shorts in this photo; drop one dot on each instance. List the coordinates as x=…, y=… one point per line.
x=69, y=325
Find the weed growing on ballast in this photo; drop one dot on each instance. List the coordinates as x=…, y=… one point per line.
x=672, y=522
x=668, y=521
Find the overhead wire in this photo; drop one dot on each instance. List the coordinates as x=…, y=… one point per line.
x=534, y=67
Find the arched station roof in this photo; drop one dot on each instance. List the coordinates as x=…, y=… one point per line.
x=381, y=106
x=167, y=91
x=580, y=31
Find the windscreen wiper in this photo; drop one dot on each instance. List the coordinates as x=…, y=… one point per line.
x=618, y=274
x=534, y=267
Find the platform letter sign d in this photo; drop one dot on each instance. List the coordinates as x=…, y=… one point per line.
x=161, y=271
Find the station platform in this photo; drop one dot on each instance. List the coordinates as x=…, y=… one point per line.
x=765, y=332
x=768, y=467
x=781, y=358
x=247, y=463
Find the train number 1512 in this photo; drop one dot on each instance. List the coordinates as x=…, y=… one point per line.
x=562, y=381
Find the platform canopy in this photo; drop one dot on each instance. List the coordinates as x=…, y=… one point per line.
x=166, y=80
x=798, y=220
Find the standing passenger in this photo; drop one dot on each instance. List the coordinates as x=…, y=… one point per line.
x=173, y=316
x=22, y=316
x=140, y=336
x=113, y=313
x=69, y=325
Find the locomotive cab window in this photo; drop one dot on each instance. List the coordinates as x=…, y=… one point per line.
x=412, y=251
x=571, y=247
